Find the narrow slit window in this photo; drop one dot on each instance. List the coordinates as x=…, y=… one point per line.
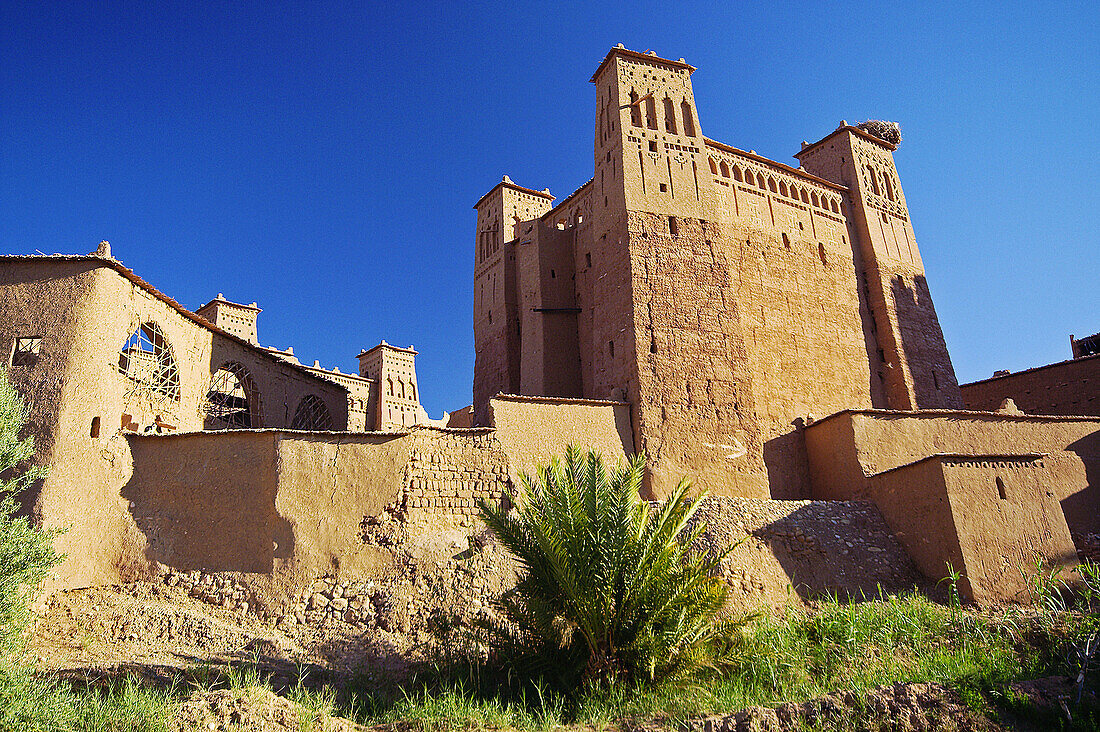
x=1001, y=489
x=689, y=118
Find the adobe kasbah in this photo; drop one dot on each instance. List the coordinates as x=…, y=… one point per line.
x=764, y=329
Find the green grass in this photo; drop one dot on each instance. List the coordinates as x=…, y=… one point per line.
x=789, y=657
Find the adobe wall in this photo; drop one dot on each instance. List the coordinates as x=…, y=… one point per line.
x=1067, y=387
x=988, y=516
x=847, y=448
x=80, y=402
x=532, y=430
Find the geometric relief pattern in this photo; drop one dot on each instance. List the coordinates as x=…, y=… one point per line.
x=146, y=360
x=312, y=414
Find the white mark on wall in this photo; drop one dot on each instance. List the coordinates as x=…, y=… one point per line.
x=738, y=450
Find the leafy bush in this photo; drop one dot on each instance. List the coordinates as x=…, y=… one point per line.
x=611, y=588
x=26, y=553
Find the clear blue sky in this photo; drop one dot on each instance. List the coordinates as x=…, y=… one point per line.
x=323, y=158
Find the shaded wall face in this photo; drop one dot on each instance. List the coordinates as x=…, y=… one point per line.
x=1007, y=517
x=207, y=502
x=915, y=503
x=1069, y=388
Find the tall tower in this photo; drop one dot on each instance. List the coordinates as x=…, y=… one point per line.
x=658, y=322
x=497, y=320
x=240, y=320
x=393, y=369
x=917, y=373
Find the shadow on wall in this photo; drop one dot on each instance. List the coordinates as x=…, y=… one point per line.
x=788, y=465
x=1080, y=508
x=209, y=506
x=917, y=320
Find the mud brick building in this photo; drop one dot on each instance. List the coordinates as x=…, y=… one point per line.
x=728, y=297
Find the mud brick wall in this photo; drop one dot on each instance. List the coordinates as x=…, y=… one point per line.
x=449, y=472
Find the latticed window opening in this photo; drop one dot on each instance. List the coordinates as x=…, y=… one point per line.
x=312, y=414
x=146, y=359
x=232, y=401
x=26, y=351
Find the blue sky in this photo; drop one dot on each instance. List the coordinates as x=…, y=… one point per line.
x=323, y=158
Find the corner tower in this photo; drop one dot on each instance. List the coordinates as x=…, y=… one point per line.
x=917, y=373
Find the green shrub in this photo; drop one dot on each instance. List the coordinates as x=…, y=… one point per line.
x=26, y=553
x=610, y=589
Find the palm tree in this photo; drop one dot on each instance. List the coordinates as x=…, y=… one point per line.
x=610, y=585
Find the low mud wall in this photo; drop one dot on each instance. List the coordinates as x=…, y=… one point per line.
x=849, y=447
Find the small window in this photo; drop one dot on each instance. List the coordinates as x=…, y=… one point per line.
x=689, y=118
x=786, y=242
x=94, y=431
x=664, y=188
x=726, y=171
x=1001, y=489
x=714, y=168
x=673, y=226
x=26, y=351
x=653, y=146
x=588, y=259
x=553, y=275
x=611, y=348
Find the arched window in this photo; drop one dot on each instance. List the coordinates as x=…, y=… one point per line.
x=736, y=173
x=760, y=182
x=312, y=414
x=389, y=384
x=689, y=118
x=771, y=185
x=635, y=110
x=714, y=168
x=146, y=359
x=232, y=401
x=749, y=178
x=726, y=170
x=670, y=116
x=814, y=199
x=805, y=196
x=783, y=188
x=833, y=205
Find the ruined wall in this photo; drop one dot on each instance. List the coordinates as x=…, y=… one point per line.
x=532, y=430
x=988, y=516
x=847, y=448
x=1068, y=387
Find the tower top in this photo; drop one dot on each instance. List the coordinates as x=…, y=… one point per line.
x=648, y=57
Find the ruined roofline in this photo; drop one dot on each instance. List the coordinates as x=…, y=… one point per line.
x=514, y=187
x=558, y=400
x=1009, y=375
x=958, y=413
x=568, y=198
x=128, y=274
x=650, y=57
x=786, y=168
x=957, y=457
x=846, y=127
